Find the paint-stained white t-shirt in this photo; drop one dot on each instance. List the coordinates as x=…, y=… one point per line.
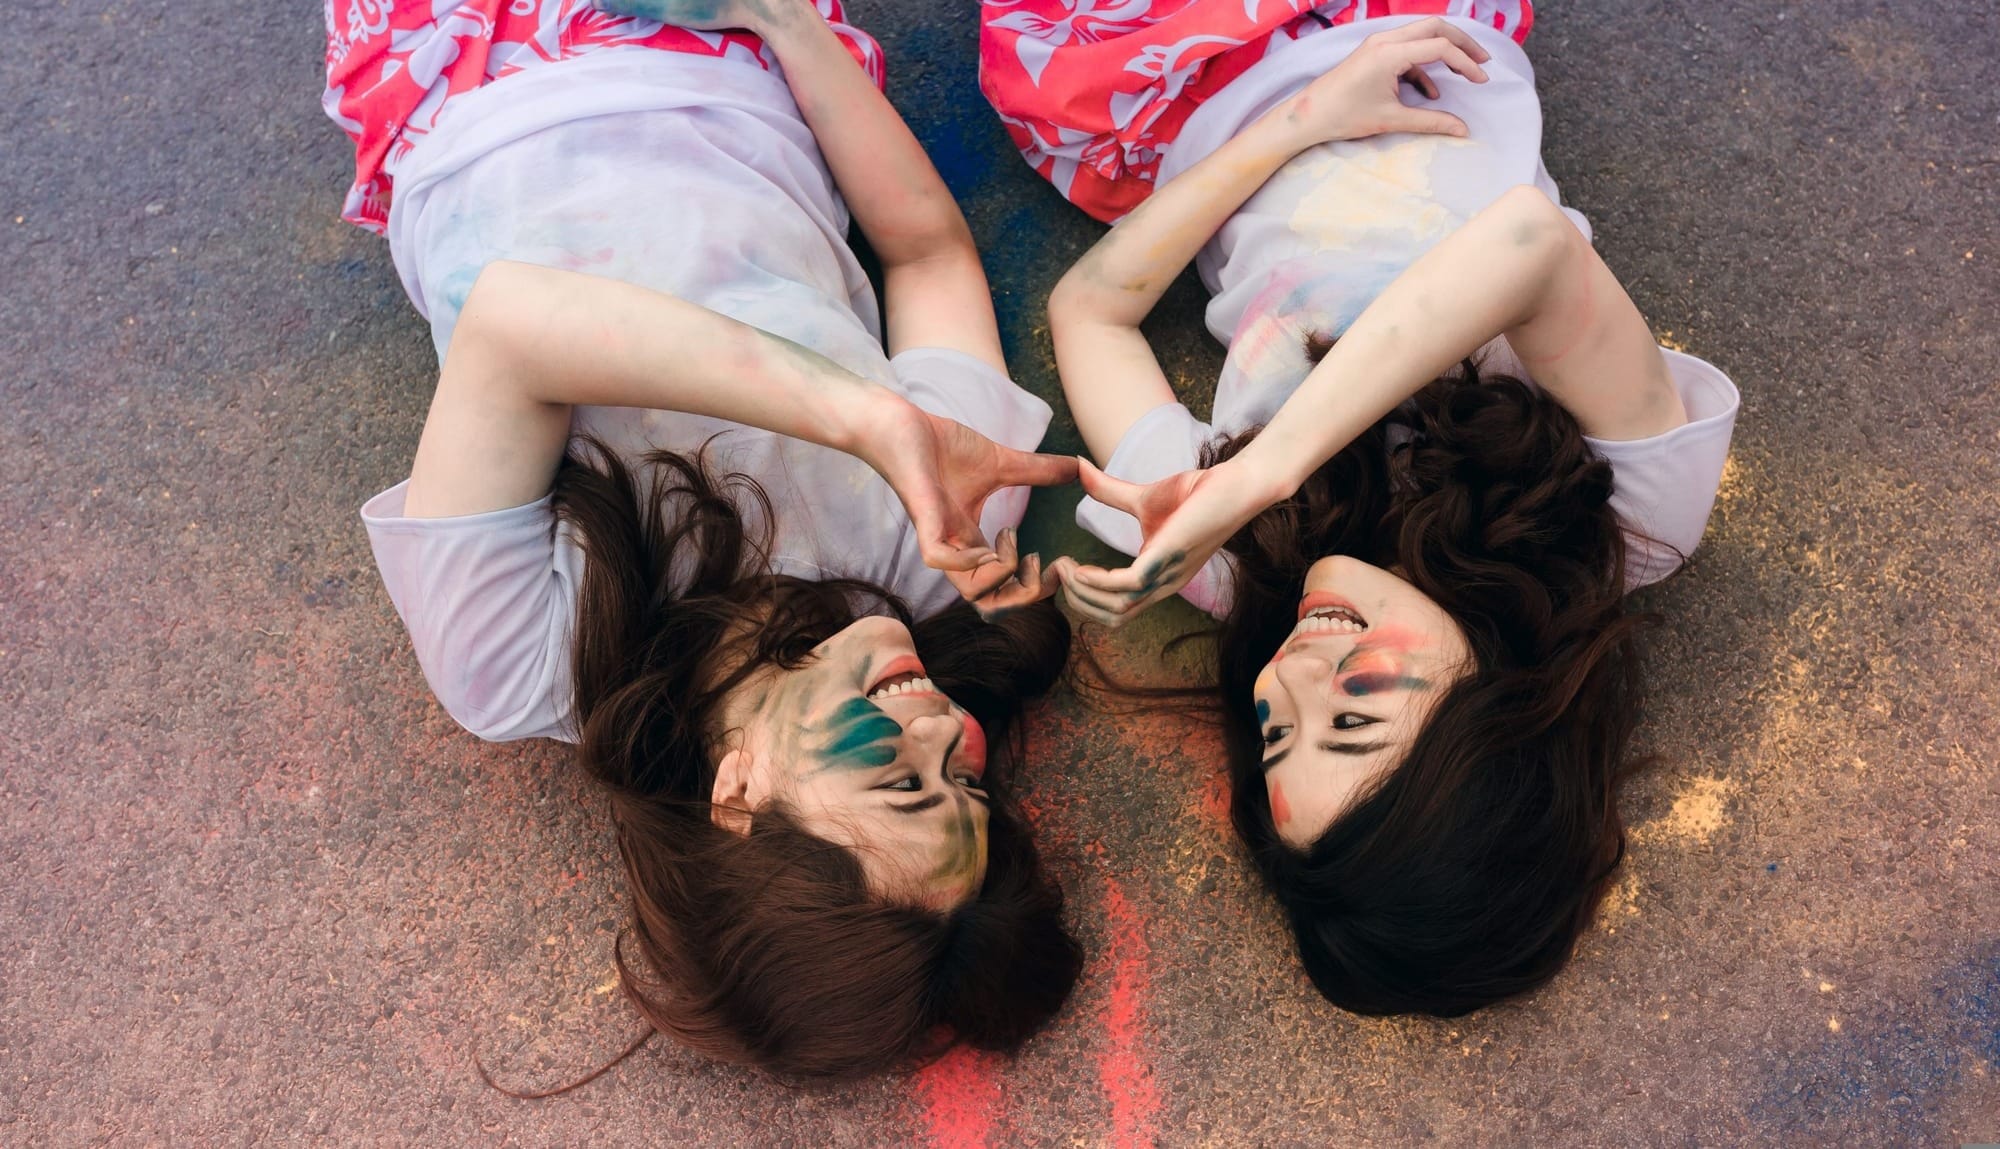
x=1316, y=244
x=692, y=176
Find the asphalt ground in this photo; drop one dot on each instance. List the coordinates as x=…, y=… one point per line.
x=259, y=889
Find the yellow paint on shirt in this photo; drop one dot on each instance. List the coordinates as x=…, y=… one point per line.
x=1386, y=187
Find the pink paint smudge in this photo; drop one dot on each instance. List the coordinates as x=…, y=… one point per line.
x=1122, y=1069
x=961, y=1097
x=1281, y=810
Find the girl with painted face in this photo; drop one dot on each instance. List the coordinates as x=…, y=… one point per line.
x=679, y=502
x=1444, y=445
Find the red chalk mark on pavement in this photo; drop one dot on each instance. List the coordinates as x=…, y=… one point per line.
x=1122, y=1069
x=961, y=1096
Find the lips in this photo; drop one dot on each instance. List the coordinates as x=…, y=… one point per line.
x=899, y=677
x=1326, y=604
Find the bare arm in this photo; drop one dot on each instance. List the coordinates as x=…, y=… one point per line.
x=1110, y=375
x=532, y=342
x=934, y=288
x=1518, y=269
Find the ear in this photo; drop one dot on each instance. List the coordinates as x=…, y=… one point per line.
x=729, y=799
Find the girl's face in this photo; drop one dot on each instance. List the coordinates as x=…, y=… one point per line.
x=867, y=753
x=1344, y=696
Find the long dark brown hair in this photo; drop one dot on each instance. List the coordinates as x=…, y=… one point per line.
x=769, y=948
x=1465, y=874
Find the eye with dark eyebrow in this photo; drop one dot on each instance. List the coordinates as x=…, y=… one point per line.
x=1355, y=749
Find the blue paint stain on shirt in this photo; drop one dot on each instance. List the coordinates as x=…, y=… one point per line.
x=457, y=286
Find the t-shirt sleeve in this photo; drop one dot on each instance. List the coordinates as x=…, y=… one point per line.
x=976, y=393
x=490, y=602
x=1663, y=488
x=1163, y=442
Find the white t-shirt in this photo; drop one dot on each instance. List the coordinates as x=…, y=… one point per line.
x=1318, y=242
x=692, y=176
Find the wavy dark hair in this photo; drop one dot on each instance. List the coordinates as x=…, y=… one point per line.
x=769, y=948
x=1465, y=874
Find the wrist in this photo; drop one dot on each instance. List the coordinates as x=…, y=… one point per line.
x=1264, y=474
x=776, y=21
x=1288, y=127
x=864, y=424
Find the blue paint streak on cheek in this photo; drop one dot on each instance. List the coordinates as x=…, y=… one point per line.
x=1263, y=713
x=861, y=736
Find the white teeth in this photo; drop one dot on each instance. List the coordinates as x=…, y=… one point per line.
x=1328, y=620
x=914, y=686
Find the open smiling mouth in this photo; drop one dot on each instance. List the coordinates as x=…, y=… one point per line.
x=1322, y=614
x=903, y=676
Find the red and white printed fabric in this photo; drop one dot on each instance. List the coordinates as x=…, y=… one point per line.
x=392, y=66
x=1094, y=92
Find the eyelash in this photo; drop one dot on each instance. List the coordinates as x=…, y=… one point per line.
x=1275, y=734
x=1340, y=721
x=911, y=784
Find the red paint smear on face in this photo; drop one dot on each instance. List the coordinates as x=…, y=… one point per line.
x=1122, y=1070
x=961, y=1096
x=1281, y=810
x=974, y=746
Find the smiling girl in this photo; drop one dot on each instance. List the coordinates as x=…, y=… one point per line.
x=678, y=500
x=1444, y=445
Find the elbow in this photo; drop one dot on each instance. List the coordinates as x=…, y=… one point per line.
x=1076, y=300
x=944, y=239
x=1538, y=224
x=485, y=317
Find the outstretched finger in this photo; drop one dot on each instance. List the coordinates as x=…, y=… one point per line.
x=1111, y=492
x=1030, y=469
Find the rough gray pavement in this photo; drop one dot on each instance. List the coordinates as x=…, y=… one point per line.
x=260, y=890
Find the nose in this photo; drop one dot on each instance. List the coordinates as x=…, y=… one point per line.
x=1305, y=676
x=933, y=732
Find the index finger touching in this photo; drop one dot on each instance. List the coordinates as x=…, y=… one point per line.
x=1032, y=469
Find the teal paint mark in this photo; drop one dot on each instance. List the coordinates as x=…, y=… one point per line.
x=1263, y=712
x=458, y=285
x=858, y=736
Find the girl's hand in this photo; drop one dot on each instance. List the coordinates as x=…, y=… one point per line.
x=701, y=15
x=1364, y=95
x=1185, y=519
x=944, y=472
